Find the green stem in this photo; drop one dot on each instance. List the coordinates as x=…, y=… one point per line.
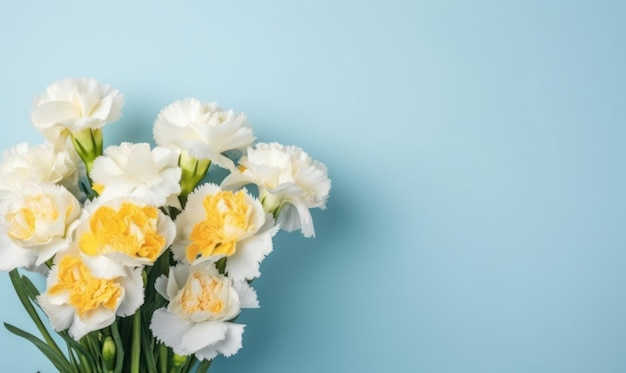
x=204, y=366
x=119, y=346
x=136, y=347
x=162, y=358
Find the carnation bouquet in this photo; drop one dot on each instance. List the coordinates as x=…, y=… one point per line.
x=148, y=260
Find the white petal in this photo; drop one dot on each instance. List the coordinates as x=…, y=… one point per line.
x=165, y=157
x=203, y=334
x=235, y=180
x=245, y=262
x=169, y=329
x=50, y=249
x=79, y=328
x=296, y=215
x=13, y=256
x=166, y=228
x=207, y=353
x=49, y=113
x=178, y=278
x=100, y=315
x=160, y=285
x=247, y=295
x=60, y=316
x=104, y=266
x=232, y=343
x=133, y=292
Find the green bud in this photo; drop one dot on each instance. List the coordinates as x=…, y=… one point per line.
x=194, y=171
x=88, y=145
x=178, y=361
x=270, y=202
x=108, y=353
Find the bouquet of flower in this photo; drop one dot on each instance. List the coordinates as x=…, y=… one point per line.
x=147, y=261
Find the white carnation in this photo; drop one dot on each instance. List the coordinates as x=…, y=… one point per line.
x=137, y=171
x=290, y=183
x=205, y=131
x=23, y=166
x=70, y=106
x=220, y=224
x=36, y=226
x=82, y=302
x=201, y=303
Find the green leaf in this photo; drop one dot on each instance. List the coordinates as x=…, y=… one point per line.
x=147, y=342
x=59, y=360
x=119, y=359
x=81, y=351
x=22, y=288
x=29, y=288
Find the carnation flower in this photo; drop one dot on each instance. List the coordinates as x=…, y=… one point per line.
x=71, y=106
x=135, y=170
x=290, y=183
x=204, y=131
x=220, y=224
x=23, y=166
x=77, y=299
x=122, y=232
x=201, y=303
x=34, y=227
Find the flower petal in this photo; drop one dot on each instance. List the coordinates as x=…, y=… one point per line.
x=133, y=292
x=232, y=343
x=13, y=256
x=169, y=329
x=60, y=316
x=247, y=295
x=245, y=262
x=203, y=334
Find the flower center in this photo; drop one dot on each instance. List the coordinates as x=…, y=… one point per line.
x=227, y=220
x=131, y=230
x=86, y=292
x=23, y=222
x=203, y=293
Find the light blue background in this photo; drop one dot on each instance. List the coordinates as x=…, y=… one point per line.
x=476, y=220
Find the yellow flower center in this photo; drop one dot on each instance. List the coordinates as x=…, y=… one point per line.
x=202, y=293
x=86, y=292
x=22, y=223
x=98, y=188
x=131, y=230
x=227, y=220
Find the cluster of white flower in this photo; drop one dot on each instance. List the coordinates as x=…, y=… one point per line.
x=96, y=220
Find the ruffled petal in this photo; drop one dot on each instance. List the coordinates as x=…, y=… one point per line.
x=169, y=329
x=203, y=334
x=233, y=340
x=247, y=295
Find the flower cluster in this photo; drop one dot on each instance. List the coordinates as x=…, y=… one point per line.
x=135, y=229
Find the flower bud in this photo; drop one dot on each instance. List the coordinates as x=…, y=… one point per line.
x=178, y=361
x=88, y=145
x=194, y=171
x=109, y=351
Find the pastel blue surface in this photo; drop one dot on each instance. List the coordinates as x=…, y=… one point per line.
x=476, y=220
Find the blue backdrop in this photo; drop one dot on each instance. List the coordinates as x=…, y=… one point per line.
x=476, y=220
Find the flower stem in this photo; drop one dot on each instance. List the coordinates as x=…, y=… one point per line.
x=162, y=358
x=136, y=347
x=204, y=366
